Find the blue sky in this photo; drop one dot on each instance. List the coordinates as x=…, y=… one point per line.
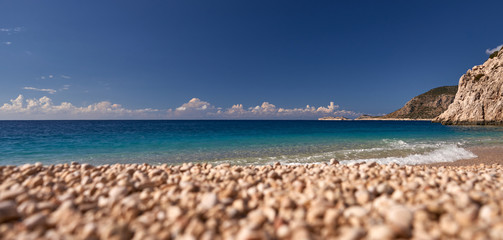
x=151, y=59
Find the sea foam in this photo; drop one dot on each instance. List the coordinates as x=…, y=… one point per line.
x=446, y=153
x=412, y=154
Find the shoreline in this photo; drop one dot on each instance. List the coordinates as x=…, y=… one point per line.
x=487, y=155
x=378, y=119
x=392, y=119
x=484, y=155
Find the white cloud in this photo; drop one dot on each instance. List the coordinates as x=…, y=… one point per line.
x=65, y=87
x=194, y=104
x=491, y=51
x=267, y=110
x=50, y=91
x=44, y=108
x=10, y=30
x=194, y=109
x=52, y=76
x=197, y=109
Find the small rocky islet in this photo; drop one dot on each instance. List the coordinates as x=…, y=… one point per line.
x=201, y=201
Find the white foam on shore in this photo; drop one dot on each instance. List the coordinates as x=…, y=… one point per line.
x=399, y=145
x=446, y=153
x=393, y=151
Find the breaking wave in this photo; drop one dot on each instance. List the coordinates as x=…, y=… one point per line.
x=446, y=153
x=388, y=151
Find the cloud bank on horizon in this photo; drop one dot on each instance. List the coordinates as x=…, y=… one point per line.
x=44, y=109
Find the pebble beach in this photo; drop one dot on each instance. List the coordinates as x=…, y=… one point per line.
x=201, y=201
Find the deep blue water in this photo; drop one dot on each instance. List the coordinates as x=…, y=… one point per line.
x=239, y=142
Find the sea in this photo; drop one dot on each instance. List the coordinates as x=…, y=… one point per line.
x=239, y=142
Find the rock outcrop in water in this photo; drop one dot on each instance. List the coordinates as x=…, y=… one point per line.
x=334, y=118
x=480, y=96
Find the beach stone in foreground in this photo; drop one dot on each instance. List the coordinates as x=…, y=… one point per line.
x=201, y=201
x=8, y=211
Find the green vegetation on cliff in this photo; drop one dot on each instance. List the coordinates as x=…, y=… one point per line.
x=494, y=54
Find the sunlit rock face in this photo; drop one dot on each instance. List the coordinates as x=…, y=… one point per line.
x=479, y=99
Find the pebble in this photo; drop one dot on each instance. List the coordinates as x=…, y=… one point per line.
x=380, y=232
x=352, y=234
x=384, y=188
x=400, y=220
x=8, y=211
x=362, y=196
x=249, y=234
x=12, y=193
x=496, y=232
x=208, y=200
x=333, y=161
x=355, y=211
x=117, y=192
x=89, y=231
x=448, y=225
x=301, y=233
x=115, y=231
x=201, y=201
x=37, y=220
x=467, y=216
x=487, y=213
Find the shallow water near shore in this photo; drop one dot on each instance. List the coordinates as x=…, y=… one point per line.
x=239, y=142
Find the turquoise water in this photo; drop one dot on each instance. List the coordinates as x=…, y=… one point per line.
x=238, y=142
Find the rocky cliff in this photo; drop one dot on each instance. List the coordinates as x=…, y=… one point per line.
x=479, y=99
x=427, y=105
x=423, y=107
